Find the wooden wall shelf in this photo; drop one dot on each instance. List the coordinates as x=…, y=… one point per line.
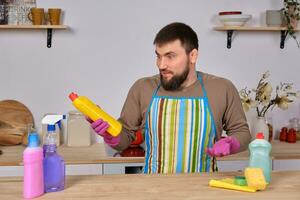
x=231, y=29
x=33, y=26
x=48, y=27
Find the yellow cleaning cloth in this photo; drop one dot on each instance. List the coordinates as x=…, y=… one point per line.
x=228, y=183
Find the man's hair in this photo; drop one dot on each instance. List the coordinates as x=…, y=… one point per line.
x=180, y=31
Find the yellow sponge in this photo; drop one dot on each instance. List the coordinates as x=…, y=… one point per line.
x=255, y=178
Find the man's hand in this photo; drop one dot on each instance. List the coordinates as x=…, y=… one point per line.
x=100, y=127
x=224, y=147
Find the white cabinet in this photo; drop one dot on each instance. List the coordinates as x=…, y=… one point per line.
x=283, y=165
x=80, y=169
x=84, y=169
x=122, y=168
x=236, y=165
x=7, y=171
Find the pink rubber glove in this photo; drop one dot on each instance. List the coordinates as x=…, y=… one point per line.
x=224, y=147
x=100, y=128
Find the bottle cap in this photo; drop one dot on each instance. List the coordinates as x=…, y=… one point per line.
x=73, y=96
x=260, y=136
x=33, y=140
x=51, y=127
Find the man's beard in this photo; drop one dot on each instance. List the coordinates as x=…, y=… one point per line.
x=175, y=82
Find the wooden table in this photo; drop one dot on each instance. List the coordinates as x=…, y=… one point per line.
x=284, y=185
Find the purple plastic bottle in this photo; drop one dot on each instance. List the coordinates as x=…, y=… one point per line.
x=54, y=165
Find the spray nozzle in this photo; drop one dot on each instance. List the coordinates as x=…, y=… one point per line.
x=51, y=120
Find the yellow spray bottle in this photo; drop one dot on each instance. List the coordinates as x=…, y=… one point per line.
x=87, y=107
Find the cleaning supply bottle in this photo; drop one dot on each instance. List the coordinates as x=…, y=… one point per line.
x=54, y=165
x=87, y=107
x=58, y=130
x=33, y=185
x=260, y=155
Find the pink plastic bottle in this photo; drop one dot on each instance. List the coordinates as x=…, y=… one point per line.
x=33, y=185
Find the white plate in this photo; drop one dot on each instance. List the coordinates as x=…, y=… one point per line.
x=234, y=20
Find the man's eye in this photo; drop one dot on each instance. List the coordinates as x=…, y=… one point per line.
x=170, y=56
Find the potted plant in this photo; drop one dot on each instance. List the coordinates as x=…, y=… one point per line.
x=263, y=99
x=291, y=14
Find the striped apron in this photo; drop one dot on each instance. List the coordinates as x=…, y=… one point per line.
x=177, y=132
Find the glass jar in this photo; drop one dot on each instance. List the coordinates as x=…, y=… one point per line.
x=78, y=130
x=283, y=134
x=295, y=124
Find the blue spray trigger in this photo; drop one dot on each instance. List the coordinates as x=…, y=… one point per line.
x=59, y=124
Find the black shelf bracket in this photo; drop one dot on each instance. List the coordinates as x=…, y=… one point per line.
x=282, y=40
x=229, y=38
x=49, y=37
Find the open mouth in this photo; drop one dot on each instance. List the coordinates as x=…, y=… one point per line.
x=166, y=73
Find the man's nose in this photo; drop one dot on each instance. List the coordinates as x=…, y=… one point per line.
x=162, y=64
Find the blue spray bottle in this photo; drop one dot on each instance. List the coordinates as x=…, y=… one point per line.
x=54, y=164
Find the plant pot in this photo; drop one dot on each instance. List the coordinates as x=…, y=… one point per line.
x=293, y=22
x=274, y=18
x=292, y=18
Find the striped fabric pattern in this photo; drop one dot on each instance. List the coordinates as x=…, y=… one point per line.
x=178, y=131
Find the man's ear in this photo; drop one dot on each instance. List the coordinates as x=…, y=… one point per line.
x=193, y=56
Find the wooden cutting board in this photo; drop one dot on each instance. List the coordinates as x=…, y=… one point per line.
x=14, y=120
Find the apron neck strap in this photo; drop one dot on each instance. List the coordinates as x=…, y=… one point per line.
x=199, y=77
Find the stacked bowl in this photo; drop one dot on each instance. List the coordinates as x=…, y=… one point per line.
x=233, y=18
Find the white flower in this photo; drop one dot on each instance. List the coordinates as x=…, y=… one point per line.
x=248, y=103
x=283, y=105
x=284, y=102
x=282, y=93
x=268, y=89
x=288, y=87
x=265, y=96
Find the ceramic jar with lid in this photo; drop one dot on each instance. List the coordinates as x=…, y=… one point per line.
x=78, y=132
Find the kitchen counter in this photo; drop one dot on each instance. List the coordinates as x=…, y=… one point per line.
x=96, y=153
x=284, y=185
x=280, y=151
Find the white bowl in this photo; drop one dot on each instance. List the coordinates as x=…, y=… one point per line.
x=234, y=20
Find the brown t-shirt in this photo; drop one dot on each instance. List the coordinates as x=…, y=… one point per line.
x=223, y=99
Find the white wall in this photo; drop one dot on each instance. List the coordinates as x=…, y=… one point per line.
x=109, y=46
